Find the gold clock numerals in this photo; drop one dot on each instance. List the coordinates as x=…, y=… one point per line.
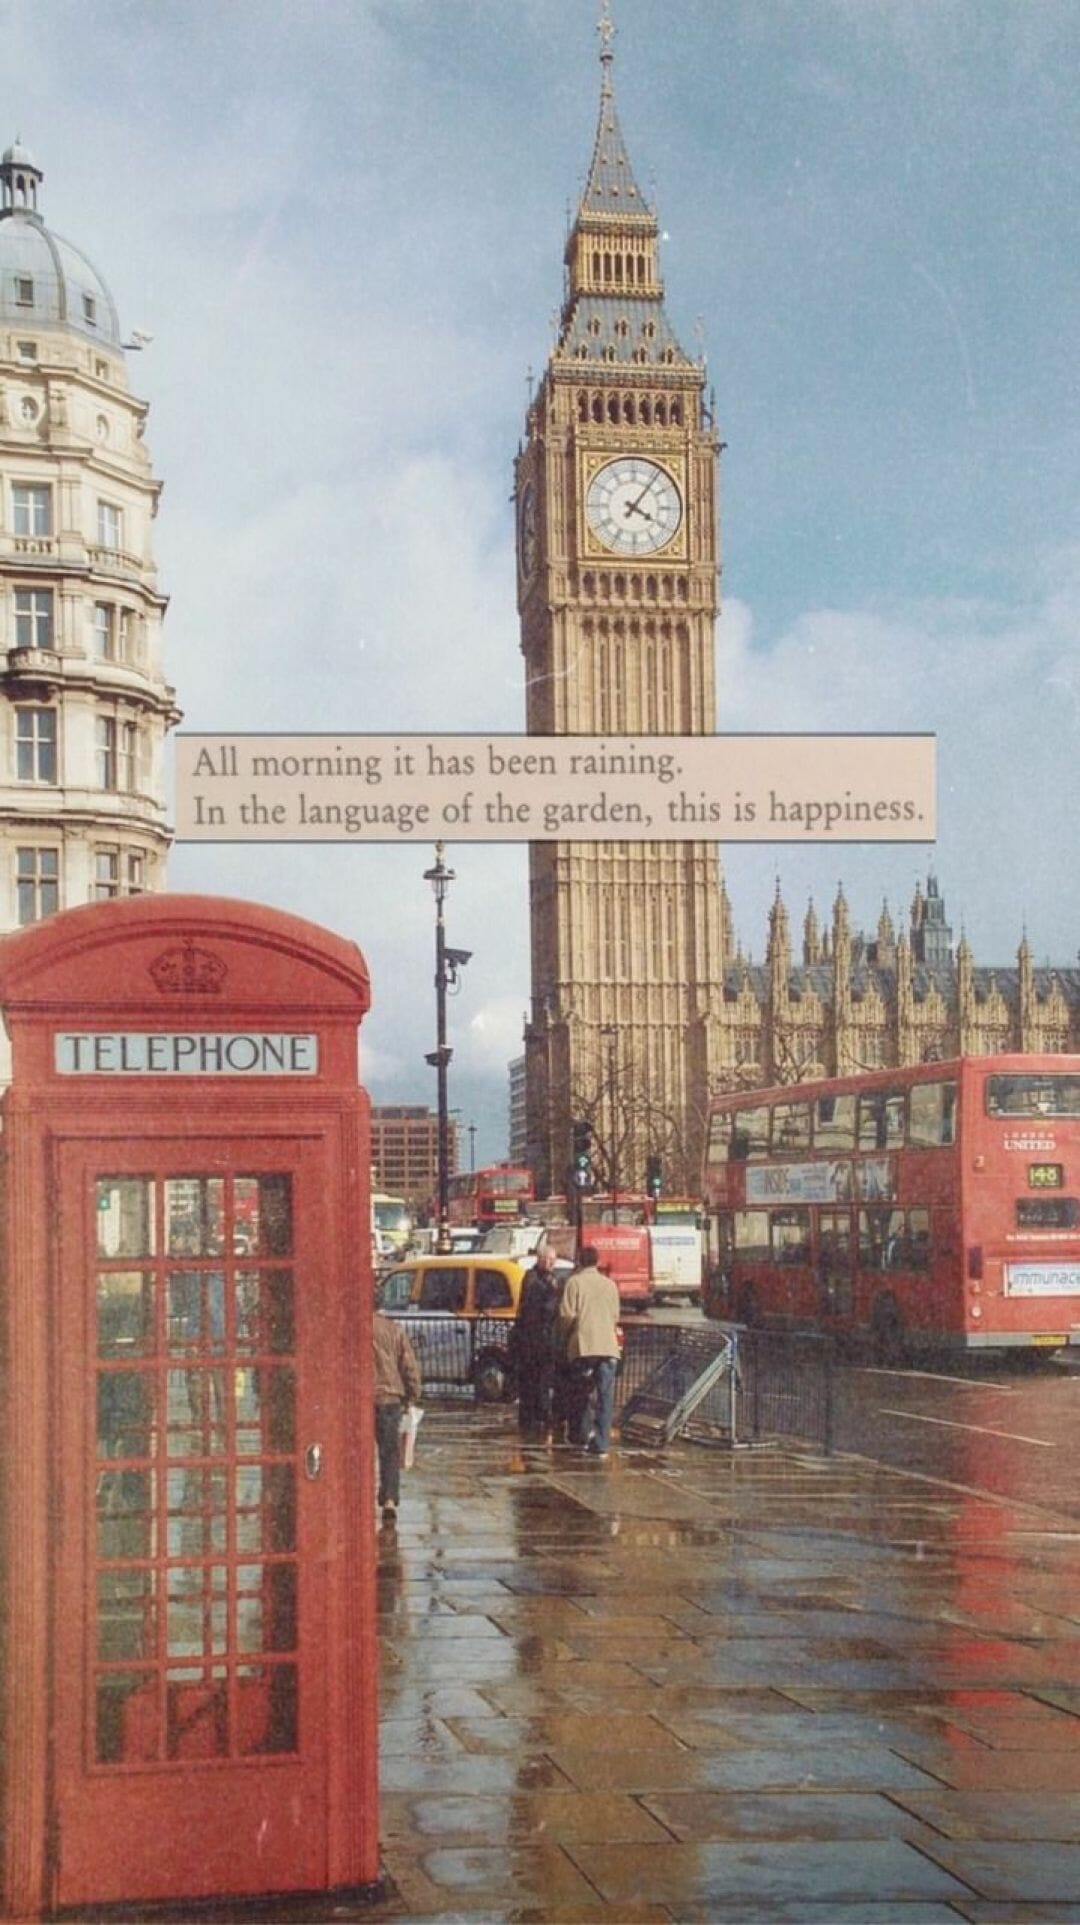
x=633, y=506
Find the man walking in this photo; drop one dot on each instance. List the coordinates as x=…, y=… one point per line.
x=589, y=1315
x=397, y=1384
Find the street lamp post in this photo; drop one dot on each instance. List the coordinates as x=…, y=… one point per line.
x=447, y=963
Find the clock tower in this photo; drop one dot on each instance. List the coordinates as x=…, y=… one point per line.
x=617, y=553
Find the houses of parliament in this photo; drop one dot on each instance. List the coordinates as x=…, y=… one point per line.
x=643, y=1006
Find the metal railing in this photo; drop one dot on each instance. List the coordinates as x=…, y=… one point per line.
x=728, y=1384
x=721, y=1382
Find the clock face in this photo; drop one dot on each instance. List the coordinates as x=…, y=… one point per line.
x=633, y=506
x=528, y=537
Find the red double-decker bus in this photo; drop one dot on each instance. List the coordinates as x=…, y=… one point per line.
x=500, y=1193
x=935, y=1206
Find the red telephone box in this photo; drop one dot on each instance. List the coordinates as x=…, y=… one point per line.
x=188, y=1541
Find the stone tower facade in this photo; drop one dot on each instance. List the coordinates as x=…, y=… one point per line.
x=617, y=549
x=84, y=706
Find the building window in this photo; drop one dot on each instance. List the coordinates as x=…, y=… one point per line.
x=105, y=730
x=31, y=510
x=35, y=745
x=117, y=754
x=26, y=350
x=37, y=884
x=89, y=308
x=24, y=290
x=118, y=872
x=127, y=754
x=106, y=874
x=105, y=631
x=112, y=632
x=108, y=525
x=33, y=618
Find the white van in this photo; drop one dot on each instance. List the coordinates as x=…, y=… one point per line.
x=676, y=1252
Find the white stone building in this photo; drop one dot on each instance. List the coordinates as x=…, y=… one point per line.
x=84, y=705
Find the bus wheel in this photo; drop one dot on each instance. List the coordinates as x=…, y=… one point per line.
x=887, y=1332
x=491, y=1379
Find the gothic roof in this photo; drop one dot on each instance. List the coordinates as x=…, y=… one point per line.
x=611, y=187
x=867, y=977
x=636, y=328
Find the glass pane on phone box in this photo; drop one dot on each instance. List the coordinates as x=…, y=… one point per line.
x=262, y=1215
x=265, y=1507
x=196, y=1511
x=126, y=1525
x=125, y=1313
x=126, y=1413
x=196, y=1407
x=264, y=1311
x=196, y=1310
x=124, y=1216
x=265, y=1411
x=194, y=1216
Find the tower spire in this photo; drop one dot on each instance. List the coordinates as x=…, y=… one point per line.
x=605, y=28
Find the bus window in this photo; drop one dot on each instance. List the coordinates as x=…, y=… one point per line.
x=750, y=1134
x=1039, y=1093
x=834, y=1123
x=918, y=1240
x=834, y=1260
x=791, y=1236
x=750, y=1233
x=881, y=1119
x=880, y=1236
x=720, y=1128
x=791, y=1126
x=932, y=1118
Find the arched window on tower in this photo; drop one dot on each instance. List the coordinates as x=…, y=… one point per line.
x=661, y=414
x=598, y=407
x=676, y=413
x=646, y=404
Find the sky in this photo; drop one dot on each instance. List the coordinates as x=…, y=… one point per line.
x=342, y=223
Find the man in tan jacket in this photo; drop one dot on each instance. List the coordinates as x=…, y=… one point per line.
x=589, y=1318
x=397, y=1384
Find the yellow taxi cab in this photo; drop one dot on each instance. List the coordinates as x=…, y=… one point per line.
x=477, y=1293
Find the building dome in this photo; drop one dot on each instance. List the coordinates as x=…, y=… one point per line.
x=44, y=280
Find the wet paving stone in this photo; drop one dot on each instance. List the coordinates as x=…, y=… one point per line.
x=618, y=1732
x=1040, y=1873
x=524, y=1818
x=990, y=1770
x=821, y=1815
x=470, y=1774
x=801, y=1872
x=997, y=1814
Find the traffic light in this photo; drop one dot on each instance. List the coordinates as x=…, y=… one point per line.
x=654, y=1176
x=582, y=1160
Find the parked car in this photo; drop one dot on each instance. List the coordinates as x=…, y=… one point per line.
x=478, y=1292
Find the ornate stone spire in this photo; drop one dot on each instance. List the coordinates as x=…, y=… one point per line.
x=611, y=187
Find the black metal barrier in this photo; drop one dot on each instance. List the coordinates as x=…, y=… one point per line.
x=772, y=1383
x=461, y=1356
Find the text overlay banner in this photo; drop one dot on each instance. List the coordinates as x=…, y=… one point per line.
x=568, y=788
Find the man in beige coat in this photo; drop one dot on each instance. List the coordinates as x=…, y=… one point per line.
x=397, y=1384
x=589, y=1318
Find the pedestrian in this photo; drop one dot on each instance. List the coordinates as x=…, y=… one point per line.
x=397, y=1385
x=536, y=1346
x=589, y=1316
